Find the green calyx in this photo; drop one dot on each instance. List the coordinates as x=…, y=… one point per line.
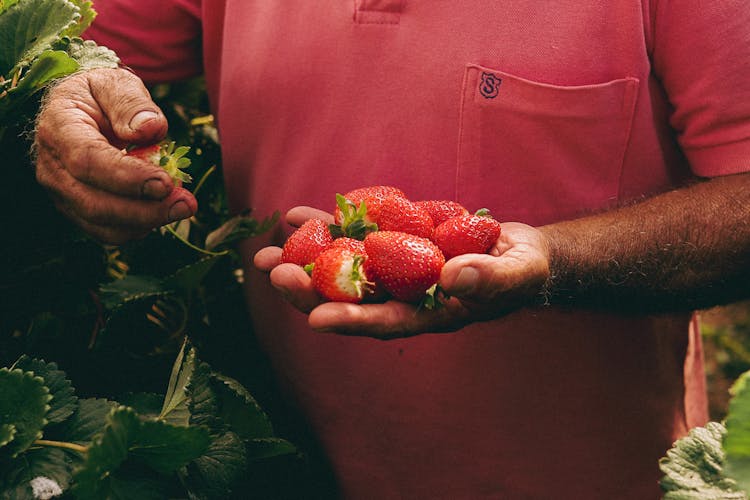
x=358, y=277
x=353, y=220
x=173, y=160
x=434, y=298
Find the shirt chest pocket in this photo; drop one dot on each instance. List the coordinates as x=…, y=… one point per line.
x=538, y=153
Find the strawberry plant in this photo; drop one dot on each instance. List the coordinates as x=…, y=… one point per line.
x=92, y=401
x=713, y=461
x=147, y=447
x=39, y=42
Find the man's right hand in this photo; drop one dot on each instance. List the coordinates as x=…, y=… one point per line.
x=86, y=121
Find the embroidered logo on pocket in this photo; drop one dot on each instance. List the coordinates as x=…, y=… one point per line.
x=489, y=86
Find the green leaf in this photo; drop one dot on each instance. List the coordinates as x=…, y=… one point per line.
x=213, y=474
x=154, y=443
x=5, y=4
x=737, y=438
x=238, y=228
x=132, y=480
x=176, y=403
x=64, y=401
x=240, y=410
x=88, y=54
x=131, y=288
x=7, y=432
x=23, y=403
x=39, y=470
x=263, y=448
x=49, y=65
x=27, y=28
x=147, y=404
x=86, y=422
x=189, y=277
x=203, y=405
x=86, y=9
x=694, y=467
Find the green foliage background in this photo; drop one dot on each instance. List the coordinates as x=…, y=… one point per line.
x=89, y=334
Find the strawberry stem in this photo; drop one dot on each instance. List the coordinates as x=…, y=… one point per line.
x=353, y=222
x=203, y=178
x=169, y=228
x=433, y=298
x=62, y=444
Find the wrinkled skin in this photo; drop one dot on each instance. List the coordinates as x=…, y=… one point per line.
x=85, y=122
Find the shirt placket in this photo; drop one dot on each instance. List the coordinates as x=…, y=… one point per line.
x=378, y=11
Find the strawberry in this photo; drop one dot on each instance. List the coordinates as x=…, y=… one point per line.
x=356, y=246
x=358, y=210
x=306, y=243
x=400, y=214
x=467, y=234
x=442, y=210
x=404, y=264
x=166, y=155
x=372, y=196
x=338, y=275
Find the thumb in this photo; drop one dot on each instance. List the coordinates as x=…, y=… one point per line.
x=133, y=116
x=472, y=277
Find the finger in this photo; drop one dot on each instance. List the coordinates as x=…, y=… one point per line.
x=85, y=150
x=386, y=321
x=298, y=215
x=108, y=235
x=267, y=258
x=508, y=281
x=102, y=208
x=295, y=285
x=470, y=276
x=132, y=114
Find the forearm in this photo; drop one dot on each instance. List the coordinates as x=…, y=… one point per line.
x=681, y=250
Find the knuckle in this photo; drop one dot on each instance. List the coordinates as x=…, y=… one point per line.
x=93, y=212
x=81, y=161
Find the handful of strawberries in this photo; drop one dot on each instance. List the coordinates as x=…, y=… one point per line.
x=384, y=245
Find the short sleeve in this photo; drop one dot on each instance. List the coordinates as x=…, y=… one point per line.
x=701, y=54
x=160, y=41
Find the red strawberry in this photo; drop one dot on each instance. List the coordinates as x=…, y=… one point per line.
x=306, y=243
x=466, y=234
x=372, y=196
x=400, y=214
x=166, y=155
x=356, y=246
x=406, y=265
x=151, y=154
x=442, y=210
x=338, y=275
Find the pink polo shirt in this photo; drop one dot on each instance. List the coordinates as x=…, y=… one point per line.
x=541, y=111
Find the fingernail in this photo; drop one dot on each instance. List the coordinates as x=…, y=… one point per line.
x=466, y=281
x=140, y=118
x=180, y=210
x=154, y=189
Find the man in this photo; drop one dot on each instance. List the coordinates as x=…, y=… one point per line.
x=577, y=119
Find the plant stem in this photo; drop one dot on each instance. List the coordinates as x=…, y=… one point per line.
x=203, y=179
x=198, y=249
x=62, y=444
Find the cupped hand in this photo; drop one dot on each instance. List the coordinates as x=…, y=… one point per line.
x=85, y=122
x=480, y=288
